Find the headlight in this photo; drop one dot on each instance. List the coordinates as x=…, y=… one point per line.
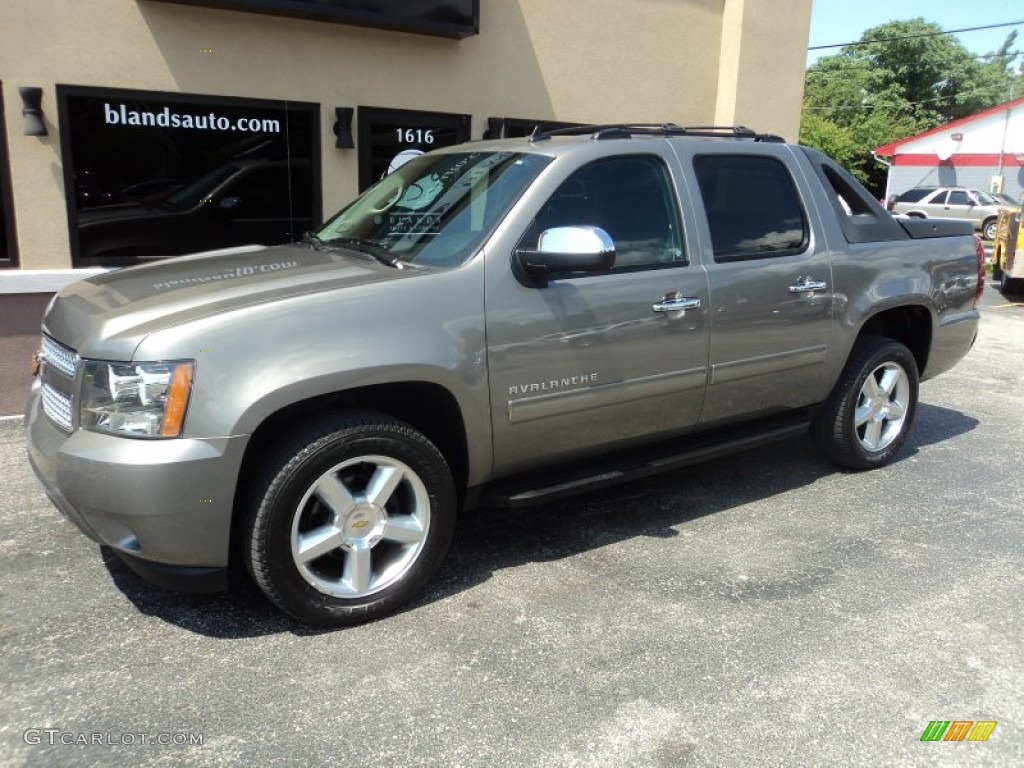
x=135, y=399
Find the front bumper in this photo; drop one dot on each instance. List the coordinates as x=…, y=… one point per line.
x=163, y=505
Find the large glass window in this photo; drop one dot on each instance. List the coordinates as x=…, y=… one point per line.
x=8, y=251
x=752, y=207
x=151, y=175
x=388, y=138
x=630, y=198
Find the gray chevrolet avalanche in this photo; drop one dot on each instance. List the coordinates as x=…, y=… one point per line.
x=498, y=323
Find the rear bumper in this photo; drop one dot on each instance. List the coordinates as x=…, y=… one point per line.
x=165, y=503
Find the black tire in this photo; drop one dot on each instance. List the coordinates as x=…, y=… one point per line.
x=1007, y=285
x=373, y=503
x=988, y=229
x=877, y=440
x=997, y=272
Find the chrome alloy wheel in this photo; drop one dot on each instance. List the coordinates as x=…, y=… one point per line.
x=882, y=406
x=360, y=527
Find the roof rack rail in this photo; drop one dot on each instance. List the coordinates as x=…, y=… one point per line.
x=628, y=130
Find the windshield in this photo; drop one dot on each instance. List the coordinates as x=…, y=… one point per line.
x=984, y=198
x=435, y=210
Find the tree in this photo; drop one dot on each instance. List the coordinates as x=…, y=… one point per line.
x=900, y=78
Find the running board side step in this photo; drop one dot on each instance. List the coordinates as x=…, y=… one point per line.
x=529, y=490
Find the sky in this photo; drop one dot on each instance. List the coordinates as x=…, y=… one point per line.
x=843, y=21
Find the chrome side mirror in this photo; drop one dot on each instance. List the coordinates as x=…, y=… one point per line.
x=569, y=249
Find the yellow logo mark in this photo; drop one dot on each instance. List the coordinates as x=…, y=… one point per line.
x=360, y=524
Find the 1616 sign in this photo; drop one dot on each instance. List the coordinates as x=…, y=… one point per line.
x=388, y=138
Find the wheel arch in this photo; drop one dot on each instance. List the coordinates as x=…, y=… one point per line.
x=911, y=325
x=427, y=407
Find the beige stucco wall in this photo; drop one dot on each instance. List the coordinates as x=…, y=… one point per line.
x=687, y=61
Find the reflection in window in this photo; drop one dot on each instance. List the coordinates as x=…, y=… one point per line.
x=160, y=174
x=752, y=206
x=630, y=198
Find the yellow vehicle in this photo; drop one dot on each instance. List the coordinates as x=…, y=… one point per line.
x=1008, y=257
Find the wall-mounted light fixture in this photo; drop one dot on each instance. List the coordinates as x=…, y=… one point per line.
x=343, y=127
x=32, y=111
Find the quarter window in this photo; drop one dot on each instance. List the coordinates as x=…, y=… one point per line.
x=752, y=206
x=631, y=199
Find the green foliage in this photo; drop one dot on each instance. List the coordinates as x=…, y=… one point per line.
x=901, y=78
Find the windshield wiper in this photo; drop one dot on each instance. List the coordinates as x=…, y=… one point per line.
x=312, y=240
x=368, y=247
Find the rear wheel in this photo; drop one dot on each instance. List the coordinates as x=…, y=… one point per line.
x=350, y=519
x=1006, y=283
x=869, y=413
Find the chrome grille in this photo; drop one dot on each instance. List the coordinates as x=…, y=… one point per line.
x=60, y=357
x=57, y=406
x=58, y=381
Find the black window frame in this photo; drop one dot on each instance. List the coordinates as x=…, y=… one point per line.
x=529, y=237
x=171, y=98
x=366, y=116
x=735, y=256
x=9, y=256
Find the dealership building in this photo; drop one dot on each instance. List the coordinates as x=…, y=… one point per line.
x=139, y=129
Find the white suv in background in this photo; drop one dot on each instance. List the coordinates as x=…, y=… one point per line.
x=950, y=203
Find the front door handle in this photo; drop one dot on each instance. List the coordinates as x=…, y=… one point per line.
x=676, y=304
x=808, y=285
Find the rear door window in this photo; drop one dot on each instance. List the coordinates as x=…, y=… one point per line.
x=752, y=205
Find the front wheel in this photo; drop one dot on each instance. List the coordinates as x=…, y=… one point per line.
x=869, y=413
x=350, y=519
x=988, y=229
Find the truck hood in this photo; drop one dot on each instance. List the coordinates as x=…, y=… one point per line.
x=107, y=316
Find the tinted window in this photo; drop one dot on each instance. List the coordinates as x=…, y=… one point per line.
x=958, y=197
x=752, y=206
x=915, y=194
x=161, y=174
x=939, y=198
x=630, y=198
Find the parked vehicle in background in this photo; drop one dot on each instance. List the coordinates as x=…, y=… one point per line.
x=972, y=205
x=498, y=323
x=1008, y=252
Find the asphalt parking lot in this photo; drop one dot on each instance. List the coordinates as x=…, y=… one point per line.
x=765, y=609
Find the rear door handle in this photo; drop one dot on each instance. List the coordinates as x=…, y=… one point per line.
x=676, y=304
x=808, y=285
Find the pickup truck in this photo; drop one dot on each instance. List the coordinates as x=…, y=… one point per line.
x=497, y=323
